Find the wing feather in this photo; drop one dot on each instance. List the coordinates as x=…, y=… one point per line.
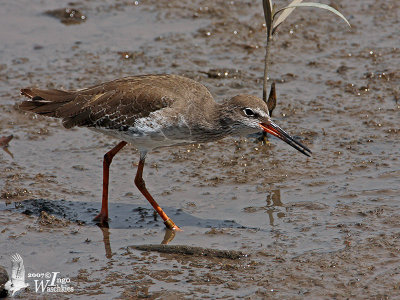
x=115, y=104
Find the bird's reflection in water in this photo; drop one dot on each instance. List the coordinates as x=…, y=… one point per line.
x=105, y=230
x=273, y=201
x=168, y=236
x=106, y=239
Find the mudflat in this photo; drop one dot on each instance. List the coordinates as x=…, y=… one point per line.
x=260, y=221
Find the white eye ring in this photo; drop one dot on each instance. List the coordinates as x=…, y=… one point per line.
x=249, y=112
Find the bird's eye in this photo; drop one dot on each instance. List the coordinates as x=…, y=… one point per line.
x=249, y=112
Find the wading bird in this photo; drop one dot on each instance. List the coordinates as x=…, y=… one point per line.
x=154, y=111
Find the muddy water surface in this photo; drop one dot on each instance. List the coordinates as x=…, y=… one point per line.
x=274, y=224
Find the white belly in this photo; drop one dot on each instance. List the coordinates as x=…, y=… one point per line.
x=153, y=132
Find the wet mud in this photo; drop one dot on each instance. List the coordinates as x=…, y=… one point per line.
x=325, y=227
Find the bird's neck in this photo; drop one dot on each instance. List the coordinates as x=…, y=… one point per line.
x=221, y=118
x=210, y=123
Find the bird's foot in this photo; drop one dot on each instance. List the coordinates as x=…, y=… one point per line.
x=176, y=228
x=101, y=219
x=262, y=139
x=171, y=225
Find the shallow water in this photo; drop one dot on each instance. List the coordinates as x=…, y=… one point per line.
x=320, y=227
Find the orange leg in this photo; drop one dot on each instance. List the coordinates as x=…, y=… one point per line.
x=141, y=185
x=102, y=217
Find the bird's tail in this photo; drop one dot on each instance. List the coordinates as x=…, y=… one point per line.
x=45, y=102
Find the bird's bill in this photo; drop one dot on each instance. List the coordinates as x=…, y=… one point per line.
x=275, y=130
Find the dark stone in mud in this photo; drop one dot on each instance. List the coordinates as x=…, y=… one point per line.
x=223, y=73
x=189, y=250
x=67, y=16
x=133, y=55
x=38, y=47
x=3, y=279
x=27, y=212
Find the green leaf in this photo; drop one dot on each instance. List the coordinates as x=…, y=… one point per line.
x=267, y=6
x=282, y=17
x=307, y=4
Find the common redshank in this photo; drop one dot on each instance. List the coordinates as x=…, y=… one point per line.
x=154, y=111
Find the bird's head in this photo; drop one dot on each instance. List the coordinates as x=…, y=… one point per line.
x=248, y=114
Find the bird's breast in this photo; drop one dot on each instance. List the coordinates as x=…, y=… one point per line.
x=157, y=130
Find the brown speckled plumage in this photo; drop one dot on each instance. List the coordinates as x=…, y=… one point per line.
x=130, y=97
x=189, y=110
x=152, y=111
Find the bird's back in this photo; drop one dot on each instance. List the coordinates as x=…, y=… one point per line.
x=116, y=104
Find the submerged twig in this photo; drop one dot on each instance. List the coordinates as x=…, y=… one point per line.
x=191, y=251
